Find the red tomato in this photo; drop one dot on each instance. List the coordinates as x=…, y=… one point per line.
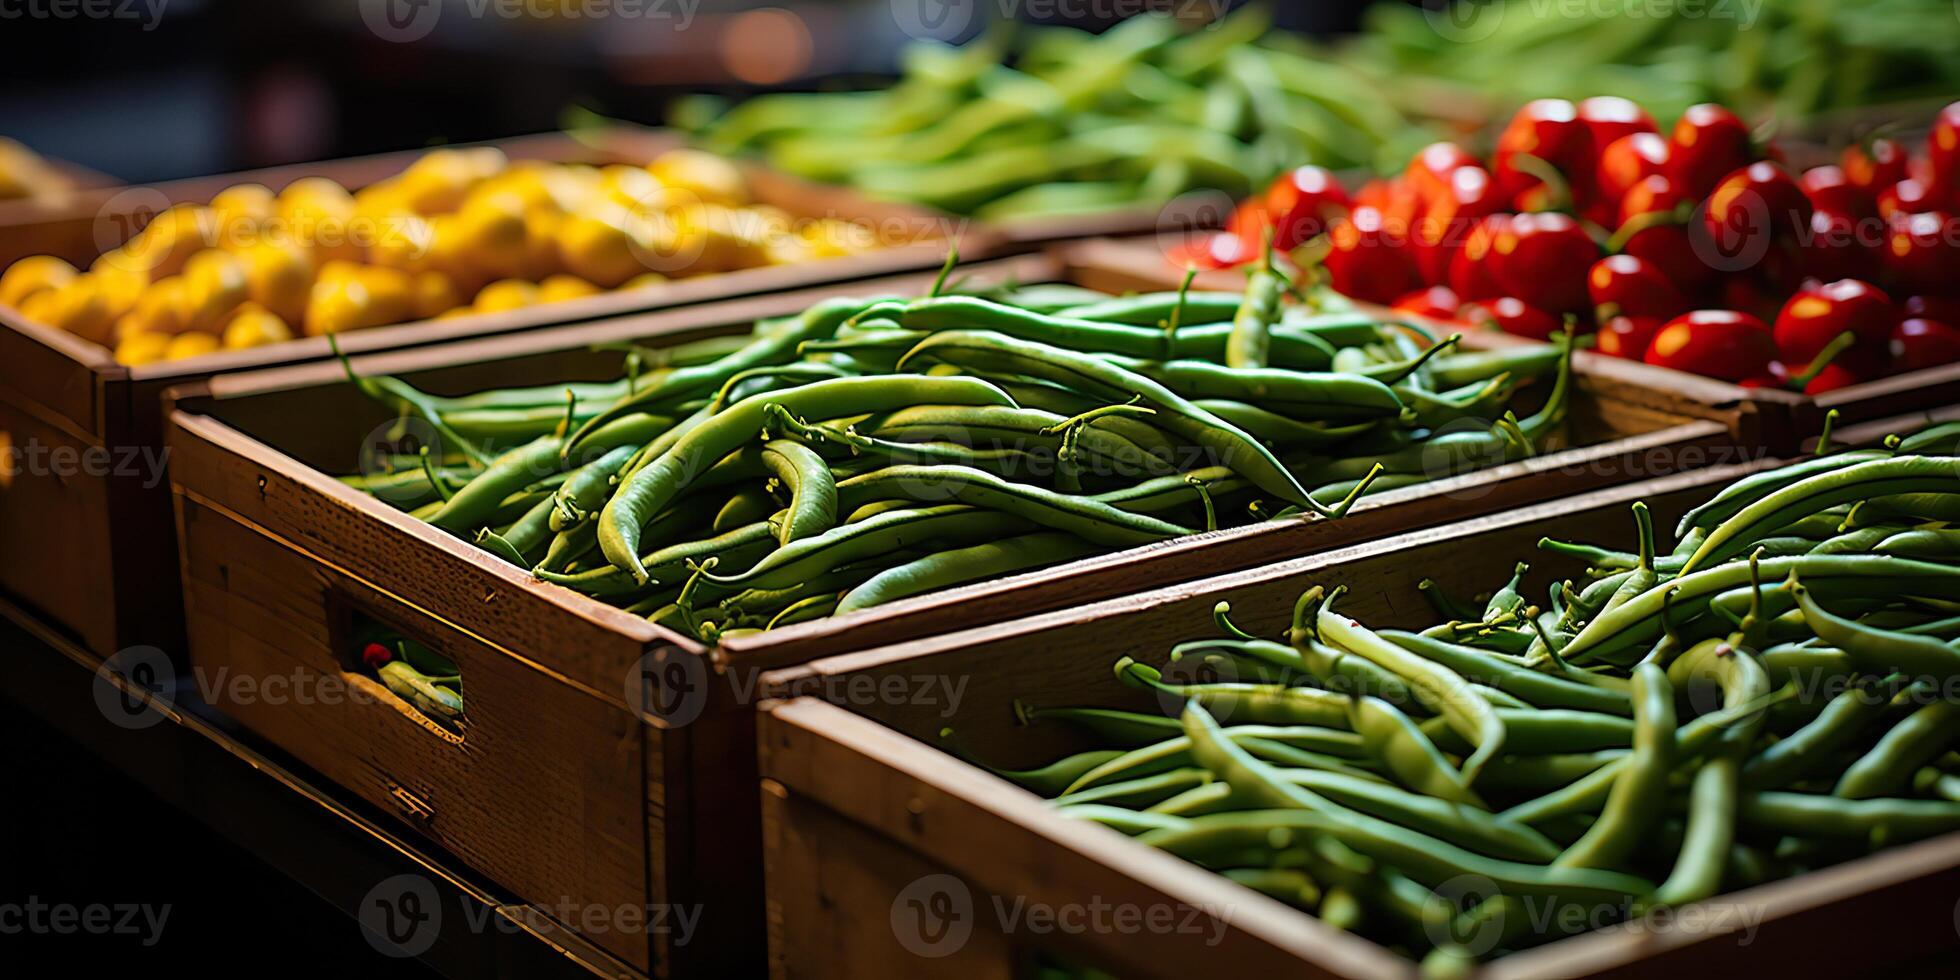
x=1549, y=129
x=1435, y=302
x=1367, y=261
x=1921, y=343
x=1837, y=375
x=1708, y=143
x=1922, y=253
x=1630, y=285
x=1212, y=251
x=1721, y=344
x=1627, y=336
x=1943, y=155
x=1513, y=316
x=1542, y=259
x=1304, y=202
x=1748, y=209
x=1828, y=187
x=1470, y=268
x=1908, y=196
x=1751, y=295
x=1817, y=314
x=1876, y=166
x=1608, y=118
x=1249, y=223
x=1429, y=170
x=1453, y=214
x=1629, y=160
x=1841, y=247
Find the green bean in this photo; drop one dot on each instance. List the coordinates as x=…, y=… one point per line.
x=1638, y=794
x=876, y=535
x=1697, y=873
x=473, y=504
x=1538, y=688
x=1876, y=821
x=1175, y=753
x=1542, y=731
x=1249, y=344
x=1637, y=621
x=1792, y=758
x=1859, y=481
x=1437, y=687
x=649, y=489
x=1401, y=748
x=1874, y=650
x=1888, y=768
x=1132, y=822
x=1083, y=517
x=1265, y=704
x=813, y=496
x=1127, y=728
x=1139, y=793
x=768, y=348
x=1235, y=449
x=957, y=566
x=584, y=491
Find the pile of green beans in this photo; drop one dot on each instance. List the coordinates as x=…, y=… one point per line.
x=876, y=448
x=1778, y=692
x=1042, y=121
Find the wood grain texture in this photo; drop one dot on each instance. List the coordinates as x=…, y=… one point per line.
x=541, y=792
x=837, y=769
x=854, y=777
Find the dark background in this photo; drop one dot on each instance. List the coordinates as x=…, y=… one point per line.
x=219, y=85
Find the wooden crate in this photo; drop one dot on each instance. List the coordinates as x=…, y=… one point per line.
x=87, y=545
x=887, y=857
x=277, y=557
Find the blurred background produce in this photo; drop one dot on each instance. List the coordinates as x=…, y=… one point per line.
x=1680, y=249
x=460, y=231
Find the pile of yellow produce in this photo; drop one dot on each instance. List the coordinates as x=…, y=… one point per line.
x=460, y=231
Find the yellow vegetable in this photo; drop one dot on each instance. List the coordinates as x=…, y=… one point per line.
x=32, y=275
x=706, y=177
x=493, y=235
x=142, y=347
x=169, y=240
x=338, y=304
x=214, y=285
x=507, y=294
x=279, y=278
x=190, y=345
x=435, y=294
x=76, y=307
x=644, y=280
x=162, y=309
x=600, y=249
x=563, y=287
x=391, y=292
x=255, y=326
x=242, y=212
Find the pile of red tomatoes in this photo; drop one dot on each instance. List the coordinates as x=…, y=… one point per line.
x=1697, y=250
